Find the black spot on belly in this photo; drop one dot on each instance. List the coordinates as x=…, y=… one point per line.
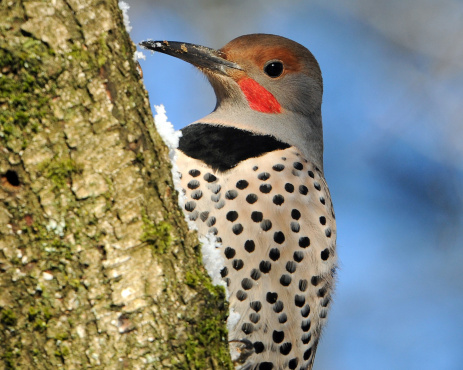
x=197, y=194
x=303, y=190
x=237, y=229
x=305, y=325
x=299, y=300
x=194, y=173
x=298, y=256
x=306, y=338
x=247, y=328
x=285, y=280
x=229, y=252
x=295, y=214
x=193, y=184
x=279, y=237
x=265, y=188
x=246, y=283
x=250, y=246
x=304, y=242
x=211, y=221
x=266, y=225
x=256, y=306
x=263, y=176
x=321, y=292
x=326, y=302
x=241, y=296
x=290, y=267
x=242, y=184
x=278, y=199
x=265, y=266
x=259, y=347
x=303, y=285
x=231, y=194
x=278, y=167
x=285, y=348
x=251, y=198
x=204, y=215
x=293, y=363
x=315, y=280
x=257, y=216
x=271, y=297
x=237, y=264
x=190, y=206
x=232, y=216
x=278, y=306
x=307, y=354
x=305, y=311
x=274, y=254
x=215, y=188
x=325, y=254
x=255, y=274
x=278, y=336
x=295, y=227
x=209, y=177
x=298, y=166
x=265, y=366
x=289, y=187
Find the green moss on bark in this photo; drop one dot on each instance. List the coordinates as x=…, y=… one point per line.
x=97, y=266
x=157, y=234
x=59, y=171
x=8, y=318
x=209, y=332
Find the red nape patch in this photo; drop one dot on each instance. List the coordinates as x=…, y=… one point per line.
x=258, y=98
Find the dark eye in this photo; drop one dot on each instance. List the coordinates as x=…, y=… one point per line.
x=274, y=69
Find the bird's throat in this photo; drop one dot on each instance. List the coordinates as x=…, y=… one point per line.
x=258, y=97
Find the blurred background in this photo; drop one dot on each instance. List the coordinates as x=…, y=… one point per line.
x=393, y=125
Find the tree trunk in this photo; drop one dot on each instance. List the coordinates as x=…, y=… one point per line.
x=97, y=266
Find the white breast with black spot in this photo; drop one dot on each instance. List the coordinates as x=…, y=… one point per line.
x=274, y=217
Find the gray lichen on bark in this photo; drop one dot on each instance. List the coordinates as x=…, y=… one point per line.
x=97, y=266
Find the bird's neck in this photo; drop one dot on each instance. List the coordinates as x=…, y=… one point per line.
x=305, y=133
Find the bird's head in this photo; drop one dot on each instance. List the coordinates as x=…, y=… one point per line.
x=264, y=83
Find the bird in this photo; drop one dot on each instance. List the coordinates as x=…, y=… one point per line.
x=252, y=174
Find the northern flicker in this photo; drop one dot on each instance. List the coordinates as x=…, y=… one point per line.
x=252, y=173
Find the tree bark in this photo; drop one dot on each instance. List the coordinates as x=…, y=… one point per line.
x=97, y=266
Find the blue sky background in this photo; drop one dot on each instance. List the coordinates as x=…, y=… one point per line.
x=393, y=126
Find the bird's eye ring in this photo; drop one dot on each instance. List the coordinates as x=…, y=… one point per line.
x=274, y=68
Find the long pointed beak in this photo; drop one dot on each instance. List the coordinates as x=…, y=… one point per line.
x=200, y=56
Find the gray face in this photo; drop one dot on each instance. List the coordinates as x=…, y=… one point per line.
x=298, y=89
x=296, y=92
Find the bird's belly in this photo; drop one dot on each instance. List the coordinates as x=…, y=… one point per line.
x=274, y=219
